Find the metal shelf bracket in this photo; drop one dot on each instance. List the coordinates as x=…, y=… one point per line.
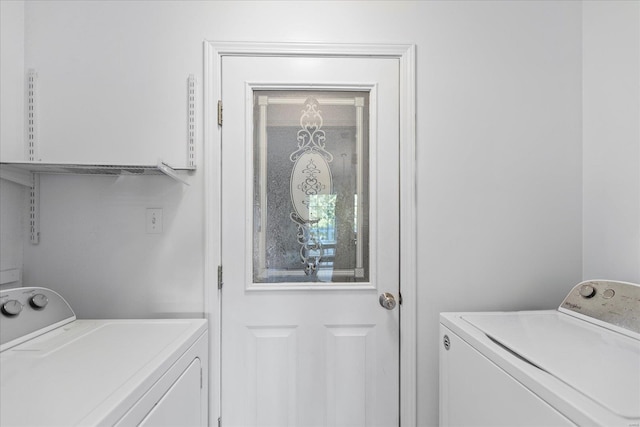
x=191, y=122
x=34, y=210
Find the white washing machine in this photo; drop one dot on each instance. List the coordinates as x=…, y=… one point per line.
x=577, y=365
x=59, y=371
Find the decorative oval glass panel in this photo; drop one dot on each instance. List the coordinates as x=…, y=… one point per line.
x=311, y=176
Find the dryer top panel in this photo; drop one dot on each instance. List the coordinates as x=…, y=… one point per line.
x=82, y=372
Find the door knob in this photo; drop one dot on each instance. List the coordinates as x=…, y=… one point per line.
x=387, y=300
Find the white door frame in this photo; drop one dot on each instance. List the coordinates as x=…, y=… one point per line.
x=213, y=53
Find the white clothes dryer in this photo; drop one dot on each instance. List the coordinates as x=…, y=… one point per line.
x=56, y=370
x=577, y=365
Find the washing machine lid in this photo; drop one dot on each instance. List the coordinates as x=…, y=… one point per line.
x=601, y=364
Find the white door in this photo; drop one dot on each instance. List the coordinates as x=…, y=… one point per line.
x=310, y=241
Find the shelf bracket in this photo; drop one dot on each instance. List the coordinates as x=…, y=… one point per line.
x=16, y=176
x=191, y=125
x=32, y=115
x=34, y=210
x=170, y=172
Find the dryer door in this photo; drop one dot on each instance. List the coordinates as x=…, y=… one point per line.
x=180, y=405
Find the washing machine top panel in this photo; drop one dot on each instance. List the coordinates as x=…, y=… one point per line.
x=86, y=370
x=602, y=364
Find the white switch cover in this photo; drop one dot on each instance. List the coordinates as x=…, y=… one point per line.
x=154, y=221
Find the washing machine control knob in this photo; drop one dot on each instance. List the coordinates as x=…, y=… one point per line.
x=13, y=307
x=39, y=301
x=587, y=291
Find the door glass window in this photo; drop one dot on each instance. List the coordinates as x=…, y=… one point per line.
x=311, y=186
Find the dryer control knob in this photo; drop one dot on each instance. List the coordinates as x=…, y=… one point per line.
x=39, y=301
x=587, y=291
x=13, y=307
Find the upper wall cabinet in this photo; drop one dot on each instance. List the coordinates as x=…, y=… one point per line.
x=100, y=95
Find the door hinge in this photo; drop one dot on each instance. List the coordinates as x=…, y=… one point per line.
x=219, y=277
x=220, y=113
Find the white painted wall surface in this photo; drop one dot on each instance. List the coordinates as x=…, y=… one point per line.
x=499, y=155
x=12, y=79
x=12, y=196
x=94, y=249
x=611, y=134
x=499, y=164
x=13, y=220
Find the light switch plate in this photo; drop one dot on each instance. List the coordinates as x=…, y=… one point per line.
x=154, y=221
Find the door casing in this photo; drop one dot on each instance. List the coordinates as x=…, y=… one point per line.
x=213, y=53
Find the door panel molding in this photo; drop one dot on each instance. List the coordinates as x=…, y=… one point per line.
x=348, y=346
x=405, y=53
x=273, y=347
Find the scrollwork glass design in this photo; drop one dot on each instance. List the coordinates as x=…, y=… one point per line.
x=310, y=187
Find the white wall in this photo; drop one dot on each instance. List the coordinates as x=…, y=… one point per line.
x=12, y=196
x=12, y=79
x=499, y=164
x=499, y=154
x=13, y=216
x=95, y=251
x=611, y=135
